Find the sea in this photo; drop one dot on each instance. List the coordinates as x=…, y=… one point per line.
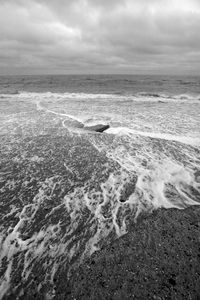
x=67, y=191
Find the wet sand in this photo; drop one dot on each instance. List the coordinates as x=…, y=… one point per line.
x=158, y=259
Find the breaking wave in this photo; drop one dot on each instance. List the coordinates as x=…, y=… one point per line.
x=141, y=97
x=163, y=136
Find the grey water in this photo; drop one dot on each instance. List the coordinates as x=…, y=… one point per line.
x=117, y=84
x=65, y=191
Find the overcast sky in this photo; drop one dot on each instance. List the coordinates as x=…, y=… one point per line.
x=100, y=36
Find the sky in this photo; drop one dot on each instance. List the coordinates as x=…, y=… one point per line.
x=100, y=36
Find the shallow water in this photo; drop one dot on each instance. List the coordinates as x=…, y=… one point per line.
x=65, y=191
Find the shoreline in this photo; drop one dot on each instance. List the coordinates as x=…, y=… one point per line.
x=158, y=259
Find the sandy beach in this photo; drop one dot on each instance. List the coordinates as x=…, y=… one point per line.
x=158, y=259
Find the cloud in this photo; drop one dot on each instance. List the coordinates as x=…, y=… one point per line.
x=123, y=36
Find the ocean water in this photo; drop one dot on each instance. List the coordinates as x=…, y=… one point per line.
x=66, y=191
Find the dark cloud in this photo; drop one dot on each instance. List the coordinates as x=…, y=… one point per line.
x=123, y=36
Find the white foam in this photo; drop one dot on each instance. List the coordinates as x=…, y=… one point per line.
x=165, y=136
x=61, y=96
x=40, y=107
x=141, y=97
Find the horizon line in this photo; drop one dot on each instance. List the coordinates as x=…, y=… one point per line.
x=100, y=74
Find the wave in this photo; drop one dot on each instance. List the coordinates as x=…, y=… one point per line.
x=164, y=179
x=15, y=92
x=165, y=96
x=169, y=97
x=157, y=135
x=153, y=95
x=9, y=94
x=78, y=96
x=141, y=96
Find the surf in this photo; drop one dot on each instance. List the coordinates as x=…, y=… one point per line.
x=158, y=135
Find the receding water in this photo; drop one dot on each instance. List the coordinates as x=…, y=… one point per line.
x=66, y=191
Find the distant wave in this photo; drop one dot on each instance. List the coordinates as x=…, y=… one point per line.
x=8, y=93
x=154, y=95
x=139, y=97
x=169, y=97
x=65, y=95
